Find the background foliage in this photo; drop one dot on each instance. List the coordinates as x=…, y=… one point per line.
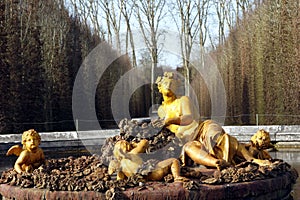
x=43, y=45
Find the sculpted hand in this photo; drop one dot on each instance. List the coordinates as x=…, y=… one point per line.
x=168, y=121
x=172, y=119
x=163, y=122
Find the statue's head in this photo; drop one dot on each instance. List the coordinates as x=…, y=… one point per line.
x=31, y=139
x=169, y=82
x=120, y=148
x=261, y=139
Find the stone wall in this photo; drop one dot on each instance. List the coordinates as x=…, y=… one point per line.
x=283, y=136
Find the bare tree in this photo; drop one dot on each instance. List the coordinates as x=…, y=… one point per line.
x=149, y=14
x=203, y=7
x=89, y=12
x=230, y=14
x=242, y=9
x=127, y=8
x=81, y=9
x=221, y=14
x=188, y=27
x=113, y=18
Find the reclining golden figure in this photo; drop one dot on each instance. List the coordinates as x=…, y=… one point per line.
x=206, y=142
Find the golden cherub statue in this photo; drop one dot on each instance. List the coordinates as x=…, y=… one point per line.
x=259, y=144
x=207, y=142
x=30, y=156
x=128, y=162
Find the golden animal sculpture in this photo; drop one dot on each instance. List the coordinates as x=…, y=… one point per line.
x=206, y=142
x=127, y=163
x=30, y=156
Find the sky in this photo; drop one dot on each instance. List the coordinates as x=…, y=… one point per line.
x=169, y=43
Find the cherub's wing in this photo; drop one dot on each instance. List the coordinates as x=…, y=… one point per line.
x=16, y=150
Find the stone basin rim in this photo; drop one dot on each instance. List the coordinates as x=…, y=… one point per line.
x=272, y=188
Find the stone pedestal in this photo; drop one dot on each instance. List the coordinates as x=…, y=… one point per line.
x=272, y=188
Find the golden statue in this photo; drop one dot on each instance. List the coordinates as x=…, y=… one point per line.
x=178, y=112
x=259, y=144
x=128, y=162
x=207, y=143
x=30, y=156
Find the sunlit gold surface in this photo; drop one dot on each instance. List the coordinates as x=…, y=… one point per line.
x=127, y=162
x=206, y=142
x=30, y=156
x=259, y=144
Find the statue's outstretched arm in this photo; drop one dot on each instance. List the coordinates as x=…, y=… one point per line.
x=22, y=159
x=246, y=154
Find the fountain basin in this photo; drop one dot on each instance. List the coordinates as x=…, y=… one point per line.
x=279, y=187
